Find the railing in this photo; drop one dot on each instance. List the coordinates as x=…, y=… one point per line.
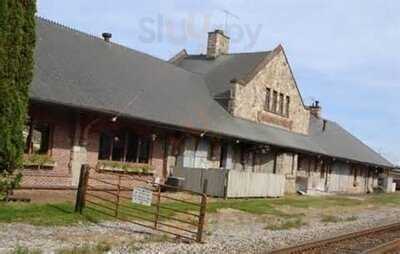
x=165, y=213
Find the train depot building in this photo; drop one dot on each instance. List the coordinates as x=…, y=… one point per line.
x=235, y=119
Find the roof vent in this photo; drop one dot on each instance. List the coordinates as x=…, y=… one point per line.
x=107, y=36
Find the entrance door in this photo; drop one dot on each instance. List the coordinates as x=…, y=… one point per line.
x=339, y=178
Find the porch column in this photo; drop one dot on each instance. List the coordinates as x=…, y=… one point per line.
x=229, y=157
x=78, y=152
x=387, y=181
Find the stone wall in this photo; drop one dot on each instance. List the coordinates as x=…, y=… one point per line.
x=248, y=100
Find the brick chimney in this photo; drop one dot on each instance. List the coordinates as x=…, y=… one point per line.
x=107, y=36
x=315, y=109
x=217, y=44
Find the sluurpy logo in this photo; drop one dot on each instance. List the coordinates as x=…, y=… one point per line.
x=193, y=27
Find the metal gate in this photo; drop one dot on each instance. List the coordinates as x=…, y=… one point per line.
x=133, y=199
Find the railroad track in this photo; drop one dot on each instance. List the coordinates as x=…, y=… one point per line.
x=366, y=241
x=386, y=248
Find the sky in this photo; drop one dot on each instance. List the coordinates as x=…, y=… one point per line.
x=345, y=54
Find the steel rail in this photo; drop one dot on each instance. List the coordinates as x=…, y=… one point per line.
x=112, y=184
x=179, y=211
x=309, y=246
x=99, y=205
x=183, y=201
x=101, y=198
x=91, y=188
x=389, y=247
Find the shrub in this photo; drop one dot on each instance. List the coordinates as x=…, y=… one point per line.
x=17, y=42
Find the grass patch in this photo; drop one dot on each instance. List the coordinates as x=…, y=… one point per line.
x=254, y=206
x=86, y=249
x=384, y=199
x=286, y=224
x=351, y=218
x=316, y=202
x=330, y=219
x=133, y=245
x=335, y=219
x=24, y=250
x=45, y=214
x=63, y=213
x=133, y=248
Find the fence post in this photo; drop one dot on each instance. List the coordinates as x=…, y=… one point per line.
x=157, y=215
x=226, y=182
x=82, y=186
x=118, y=194
x=203, y=209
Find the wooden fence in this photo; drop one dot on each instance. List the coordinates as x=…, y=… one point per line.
x=232, y=183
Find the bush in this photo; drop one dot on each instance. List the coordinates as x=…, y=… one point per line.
x=17, y=42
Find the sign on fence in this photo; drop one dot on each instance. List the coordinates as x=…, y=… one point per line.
x=142, y=196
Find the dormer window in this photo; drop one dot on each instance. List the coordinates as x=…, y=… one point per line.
x=281, y=103
x=267, y=99
x=274, y=101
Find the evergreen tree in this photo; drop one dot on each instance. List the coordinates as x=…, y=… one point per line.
x=17, y=42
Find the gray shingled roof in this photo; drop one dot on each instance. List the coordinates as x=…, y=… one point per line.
x=338, y=142
x=80, y=70
x=219, y=72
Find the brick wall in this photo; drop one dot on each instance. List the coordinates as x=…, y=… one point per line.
x=62, y=122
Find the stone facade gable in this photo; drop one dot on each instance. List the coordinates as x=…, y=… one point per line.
x=248, y=101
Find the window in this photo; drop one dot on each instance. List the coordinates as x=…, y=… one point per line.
x=124, y=146
x=274, y=101
x=37, y=138
x=267, y=99
x=287, y=106
x=281, y=103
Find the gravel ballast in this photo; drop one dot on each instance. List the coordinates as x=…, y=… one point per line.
x=244, y=235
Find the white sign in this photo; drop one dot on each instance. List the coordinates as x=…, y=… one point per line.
x=142, y=196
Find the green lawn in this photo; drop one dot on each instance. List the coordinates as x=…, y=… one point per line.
x=62, y=213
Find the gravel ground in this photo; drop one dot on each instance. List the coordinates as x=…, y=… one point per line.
x=235, y=232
